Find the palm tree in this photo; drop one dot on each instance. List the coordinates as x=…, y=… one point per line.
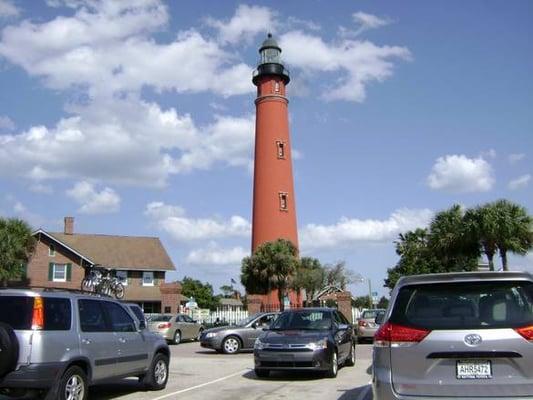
x=272, y=266
x=515, y=228
x=482, y=228
x=16, y=246
x=310, y=275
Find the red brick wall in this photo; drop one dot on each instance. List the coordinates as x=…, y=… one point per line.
x=37, y=269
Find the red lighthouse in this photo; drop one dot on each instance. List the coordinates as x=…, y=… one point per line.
x=274, y=210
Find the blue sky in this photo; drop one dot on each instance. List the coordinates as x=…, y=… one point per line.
x=137, y=118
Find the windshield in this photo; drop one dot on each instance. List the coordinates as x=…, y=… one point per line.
x=246, y=321
x=465, y=305
x=303, y=320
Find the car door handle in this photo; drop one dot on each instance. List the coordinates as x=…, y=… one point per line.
x=85, y=341
x=122, y=340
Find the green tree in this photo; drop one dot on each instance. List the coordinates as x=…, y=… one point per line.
x=415, y=256
x=515, y=229
x=362, y=302
x=227, y=291
x=383, y=302
x=202, y=292
x=482, y=228
x=272, y=266
x=338, y=275
x=16, y=246
x=310, y=275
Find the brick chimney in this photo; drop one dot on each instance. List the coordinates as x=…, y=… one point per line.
x=69, y=225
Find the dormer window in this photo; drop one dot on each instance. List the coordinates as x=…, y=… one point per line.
x=51, y=250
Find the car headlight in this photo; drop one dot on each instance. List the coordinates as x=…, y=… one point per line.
x=259, y=345
x=321, y=344
x=210, y=335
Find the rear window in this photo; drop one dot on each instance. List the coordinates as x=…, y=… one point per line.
x=465, y=305
x=17, y=311
x=138, y=312
x=161, y=318
x=370, y=314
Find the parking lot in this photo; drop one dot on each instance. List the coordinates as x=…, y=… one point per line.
x=196, y=373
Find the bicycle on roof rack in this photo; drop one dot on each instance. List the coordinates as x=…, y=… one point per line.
x=101, y=280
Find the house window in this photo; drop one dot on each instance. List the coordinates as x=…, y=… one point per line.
x=280, y=148
x=51, y=250
x=283, y=201
x=148, y=278
x=60, y=273
x=122, y=276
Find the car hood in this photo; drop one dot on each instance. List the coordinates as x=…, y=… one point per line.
x=292, y=336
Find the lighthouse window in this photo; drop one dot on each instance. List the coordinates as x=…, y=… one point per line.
x=276, y=87
x=283, y=201
x=280, y=146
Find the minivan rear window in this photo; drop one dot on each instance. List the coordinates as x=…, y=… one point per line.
x=17, y=311
x=465, y=305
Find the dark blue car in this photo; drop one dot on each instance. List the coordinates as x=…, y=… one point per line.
x=318, y=339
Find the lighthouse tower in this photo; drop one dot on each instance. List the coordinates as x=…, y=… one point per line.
x=274, y=210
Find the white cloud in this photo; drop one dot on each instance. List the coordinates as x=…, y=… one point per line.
x=40, y=188
x=369, y=21
x=171, y=219
x=107, y=47
x=245, y=24
x=6, y=123
x=460, y=174
x=490, y=153
x=94, y=202
x=8, y=9
x=295, y=23
x=351, y=231
x=520, y=182
x=514, y=158
x=214, y=255
x=125, y=141
x=357, y=63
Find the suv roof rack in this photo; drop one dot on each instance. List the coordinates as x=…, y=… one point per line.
x=57, y=289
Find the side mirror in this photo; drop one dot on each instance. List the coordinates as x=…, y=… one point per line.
x=379, y=318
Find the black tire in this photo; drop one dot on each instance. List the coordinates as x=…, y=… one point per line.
x=9, y=349
x=350, y=361
x=153, y=380
x=231, y=345
x=200, y=331
x=262, y=373
x=177, y=337
x=334, y=366
x=74, y=380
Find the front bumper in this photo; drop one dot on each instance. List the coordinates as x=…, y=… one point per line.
x=33, y=376
x=319, y=360
x=214, y=342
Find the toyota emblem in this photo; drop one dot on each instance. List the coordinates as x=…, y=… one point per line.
x=473, y=339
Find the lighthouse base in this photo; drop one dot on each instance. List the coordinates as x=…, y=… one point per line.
x=270, y=302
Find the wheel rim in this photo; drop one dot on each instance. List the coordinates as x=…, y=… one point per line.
x=160, y=372
x=231, y=345
x=177, y=337
x=334, y=364
x=75, y=388
x=199, y=334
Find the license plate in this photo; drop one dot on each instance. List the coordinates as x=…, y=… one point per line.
x=474, y=369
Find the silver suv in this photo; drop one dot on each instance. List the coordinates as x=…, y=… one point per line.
x=59, y=342
x=459, y=335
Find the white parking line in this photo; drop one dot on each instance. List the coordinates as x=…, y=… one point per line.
x=201, y=385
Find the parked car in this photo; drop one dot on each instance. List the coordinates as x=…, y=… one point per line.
x=139, y=314
x=241, y=336
x=309, y=339
x=175, y=328
x=457, y=335
x=366, y=325
x=62, y=342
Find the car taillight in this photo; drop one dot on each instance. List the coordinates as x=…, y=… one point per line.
x=390, y=334
x=37, y=320
x=526, y=332
x=362, y=323
x=164, y=326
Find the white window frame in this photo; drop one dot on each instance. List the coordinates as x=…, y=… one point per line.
x=64, y=279
x=146, y=274
x=124, y=279
x=52, y=250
